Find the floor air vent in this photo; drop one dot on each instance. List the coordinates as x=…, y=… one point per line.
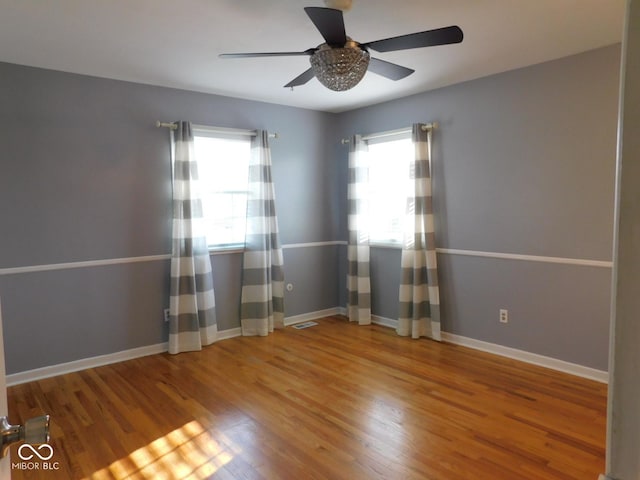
x=300, y=326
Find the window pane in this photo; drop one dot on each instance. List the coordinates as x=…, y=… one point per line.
x=223, y=165
x=388, y=182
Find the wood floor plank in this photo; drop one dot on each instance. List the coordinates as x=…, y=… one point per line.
x=334, y=401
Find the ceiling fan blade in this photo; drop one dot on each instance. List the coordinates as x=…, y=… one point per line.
x=267, y=54
x=430, y=38
x=389, y=70
x=329, y=23
x=300, y=79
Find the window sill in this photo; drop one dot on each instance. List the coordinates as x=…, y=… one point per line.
x=397, y=246
x=226, y=250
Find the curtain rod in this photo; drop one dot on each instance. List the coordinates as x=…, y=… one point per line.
x=390, y=133
x=230, y=131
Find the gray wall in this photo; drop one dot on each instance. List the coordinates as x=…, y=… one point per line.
x=523, y=164
x=86, y=176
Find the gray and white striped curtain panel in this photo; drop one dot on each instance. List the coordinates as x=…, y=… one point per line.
x=262, y=298
x=192, y=318
x=358, y=279
x=419, y=293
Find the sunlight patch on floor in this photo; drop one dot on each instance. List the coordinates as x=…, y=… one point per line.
x=188, y=452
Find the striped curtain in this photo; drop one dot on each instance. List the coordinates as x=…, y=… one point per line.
x=262, y=298
x=192, y=318
x=358, y=279
x=419, y=293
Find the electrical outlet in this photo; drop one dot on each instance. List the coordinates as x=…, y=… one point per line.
x=166, y=314
x=504, y=315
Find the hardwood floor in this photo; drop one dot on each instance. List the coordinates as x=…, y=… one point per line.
x=334, y=401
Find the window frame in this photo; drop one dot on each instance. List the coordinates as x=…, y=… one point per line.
x=230, y=134
x=373, y=139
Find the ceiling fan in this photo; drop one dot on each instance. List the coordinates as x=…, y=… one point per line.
x=340, y=63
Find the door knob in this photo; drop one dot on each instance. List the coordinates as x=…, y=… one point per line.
x=34, y=431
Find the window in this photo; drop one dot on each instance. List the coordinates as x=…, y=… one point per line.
x=223, y=166
x=389, y=160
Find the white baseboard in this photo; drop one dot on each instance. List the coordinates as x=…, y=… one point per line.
x=230, y=333
x=514, y=353
x=385, y=322
x=305, y=317
x=528, y=357
x=83, y=364
x=100, y=360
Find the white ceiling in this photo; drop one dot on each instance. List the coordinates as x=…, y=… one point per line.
x=176, y=43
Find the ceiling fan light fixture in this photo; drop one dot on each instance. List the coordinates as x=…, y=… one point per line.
x=340, y=69
x=340, y=63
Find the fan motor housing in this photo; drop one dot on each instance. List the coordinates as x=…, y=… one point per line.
x=340, y=68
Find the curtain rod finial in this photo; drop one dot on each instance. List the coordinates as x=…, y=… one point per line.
x=169, y=125
x=430, y=126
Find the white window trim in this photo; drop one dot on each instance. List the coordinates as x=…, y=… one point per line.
x=385, y=137
x=226, y=249
x=389, y=244
x=231, y=133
